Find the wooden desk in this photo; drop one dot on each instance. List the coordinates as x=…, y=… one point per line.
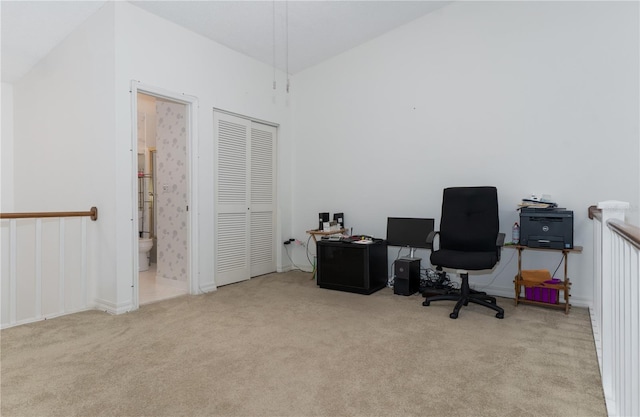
x=563, y=286
x=320, y=233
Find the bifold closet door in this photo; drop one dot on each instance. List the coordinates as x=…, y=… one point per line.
x=263, y=192
x=244, y=218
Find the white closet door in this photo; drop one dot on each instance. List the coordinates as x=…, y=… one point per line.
x=231, y=216
x=245, y=214
x=263, y=192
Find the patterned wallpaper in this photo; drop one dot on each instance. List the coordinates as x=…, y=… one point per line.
x=171, y=192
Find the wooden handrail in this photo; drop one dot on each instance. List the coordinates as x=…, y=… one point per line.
x=629, y=232
x=93, y=213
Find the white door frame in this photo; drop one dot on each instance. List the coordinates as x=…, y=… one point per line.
x=191, y=104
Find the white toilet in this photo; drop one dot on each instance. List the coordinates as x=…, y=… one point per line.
x=144, y=246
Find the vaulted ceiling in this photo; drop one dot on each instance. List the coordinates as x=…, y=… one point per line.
x=290, y=35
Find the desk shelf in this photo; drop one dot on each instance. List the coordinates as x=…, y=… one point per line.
x=322, y=233
x=564, y=285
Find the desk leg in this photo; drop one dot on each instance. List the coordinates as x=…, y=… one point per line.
x=566, y=284
x=315, y=267
x=315, y=257
x=518, y=277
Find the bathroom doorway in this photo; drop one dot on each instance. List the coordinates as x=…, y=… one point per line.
x=163, y=180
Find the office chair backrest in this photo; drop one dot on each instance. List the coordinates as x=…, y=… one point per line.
x=469, y=219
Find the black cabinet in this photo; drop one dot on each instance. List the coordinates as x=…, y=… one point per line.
x=353, y=267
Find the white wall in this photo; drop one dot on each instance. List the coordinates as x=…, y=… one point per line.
x=73, y=137
x=529, y=97
x=161, y=54
x=64, y=127
x=6, y=149
x=6, y=193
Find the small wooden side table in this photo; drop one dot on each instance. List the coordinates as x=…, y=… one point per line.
x=564, y=285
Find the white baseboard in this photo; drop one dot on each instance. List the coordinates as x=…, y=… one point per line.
x=508, y=292
x=284, y=268
x=211, y=286
x=111, y=308
x=44, y=317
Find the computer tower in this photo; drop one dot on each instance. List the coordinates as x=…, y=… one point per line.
x=406, y=276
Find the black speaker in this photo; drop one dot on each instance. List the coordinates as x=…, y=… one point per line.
x=322, y=217
x=407, y=276
x=339, y=217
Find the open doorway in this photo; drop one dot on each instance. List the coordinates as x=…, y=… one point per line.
x=163, y=167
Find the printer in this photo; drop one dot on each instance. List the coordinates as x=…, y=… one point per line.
x=546, y=228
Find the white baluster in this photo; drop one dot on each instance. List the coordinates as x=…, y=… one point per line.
x=13, y=275
x=610, y=306
x=61, y=278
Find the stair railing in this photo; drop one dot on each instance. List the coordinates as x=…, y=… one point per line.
x=615, y=311
x=32, y=290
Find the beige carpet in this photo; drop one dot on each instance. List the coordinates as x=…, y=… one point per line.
x=278, y=345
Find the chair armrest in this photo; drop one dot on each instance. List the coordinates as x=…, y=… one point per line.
x=430, y=237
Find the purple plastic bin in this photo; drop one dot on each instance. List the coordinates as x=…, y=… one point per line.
x=544, y=295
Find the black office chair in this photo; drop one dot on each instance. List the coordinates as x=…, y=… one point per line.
x=469, y=241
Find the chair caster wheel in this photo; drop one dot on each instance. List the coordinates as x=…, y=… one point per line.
x=500, y=315
x=453, y=315
x=425, y=303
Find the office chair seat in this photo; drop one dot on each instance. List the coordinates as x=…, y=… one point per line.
x=472, y=261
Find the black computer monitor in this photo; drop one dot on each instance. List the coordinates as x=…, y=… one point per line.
x=410, y=232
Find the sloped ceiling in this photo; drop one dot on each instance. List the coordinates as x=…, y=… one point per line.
x=31, y=29
x=290, y=35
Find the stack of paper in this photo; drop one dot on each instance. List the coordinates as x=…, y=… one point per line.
x=530, y=203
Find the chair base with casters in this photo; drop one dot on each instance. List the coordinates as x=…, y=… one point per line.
x=465, y=296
